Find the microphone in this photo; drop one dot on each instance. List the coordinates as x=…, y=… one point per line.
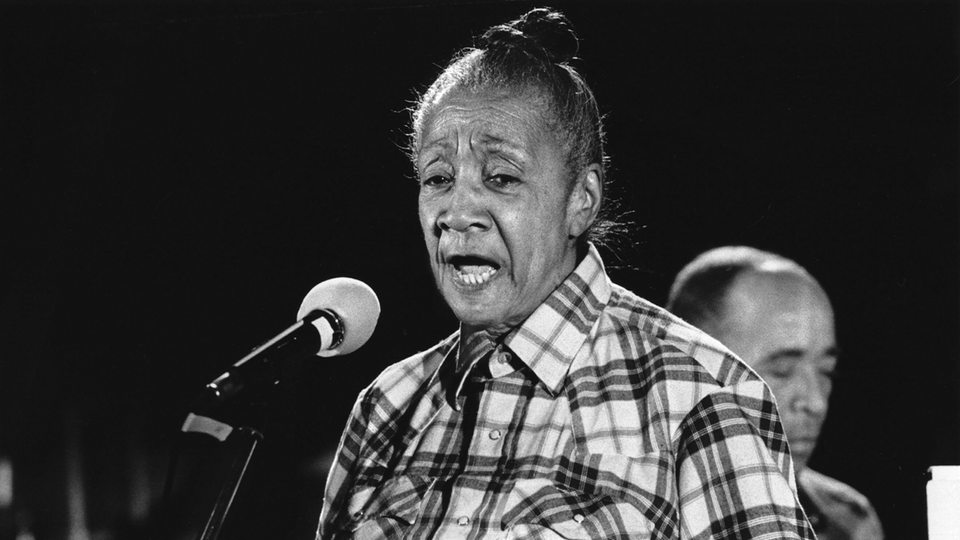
x=336, y=317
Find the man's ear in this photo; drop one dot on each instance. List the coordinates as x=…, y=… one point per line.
x=585, y=198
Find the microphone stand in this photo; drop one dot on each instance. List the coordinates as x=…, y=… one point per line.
x=241, y=441
x=238, y=444
x=225, y=498
x=246, y=439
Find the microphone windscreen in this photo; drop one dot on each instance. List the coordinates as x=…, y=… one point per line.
x=354, y=302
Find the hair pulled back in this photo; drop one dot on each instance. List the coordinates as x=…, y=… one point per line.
x=530, y=56
x=541, y=33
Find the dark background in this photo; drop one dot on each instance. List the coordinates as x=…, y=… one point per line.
x=176, y=176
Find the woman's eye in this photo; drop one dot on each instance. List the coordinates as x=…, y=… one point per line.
x=503, y=180
x=435, y=180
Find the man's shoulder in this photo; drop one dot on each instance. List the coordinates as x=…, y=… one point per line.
x=661, y=333
x=827, y=491
x=838, y=510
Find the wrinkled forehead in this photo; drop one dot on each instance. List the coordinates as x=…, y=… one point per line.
x=520, y=112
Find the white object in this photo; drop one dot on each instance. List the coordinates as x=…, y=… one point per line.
x=943, y=502
x=355, y=304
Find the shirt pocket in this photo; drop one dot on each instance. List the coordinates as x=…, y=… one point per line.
x=545, y=509
x=389, y=511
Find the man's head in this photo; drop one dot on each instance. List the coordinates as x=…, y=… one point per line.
x=508, y=147
x=775, y=316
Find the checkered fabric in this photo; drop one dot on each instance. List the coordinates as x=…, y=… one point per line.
x=601, y=416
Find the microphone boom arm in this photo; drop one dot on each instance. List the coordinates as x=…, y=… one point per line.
x=318, y=330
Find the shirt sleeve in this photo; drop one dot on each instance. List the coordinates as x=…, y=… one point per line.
x=344, y=468
x=734, y=473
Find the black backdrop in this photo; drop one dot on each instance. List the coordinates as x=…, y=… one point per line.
x=176, y=176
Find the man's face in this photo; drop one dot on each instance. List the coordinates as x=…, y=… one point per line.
x=493, y=206
x=781, y=324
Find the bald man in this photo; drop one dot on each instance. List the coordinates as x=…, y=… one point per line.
x=775, y=316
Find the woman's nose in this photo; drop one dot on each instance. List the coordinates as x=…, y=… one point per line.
x=465, y=208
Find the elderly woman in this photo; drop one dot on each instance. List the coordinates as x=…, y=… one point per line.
x=564, y=406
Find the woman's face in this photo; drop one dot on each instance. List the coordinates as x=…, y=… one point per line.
x=494, y=206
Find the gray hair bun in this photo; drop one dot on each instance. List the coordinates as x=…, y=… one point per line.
x=541, y=32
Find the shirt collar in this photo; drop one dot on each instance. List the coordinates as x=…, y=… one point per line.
x=548, y=340
x=460, y=360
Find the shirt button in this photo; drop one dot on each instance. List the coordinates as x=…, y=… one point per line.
x=504, y=358
x=578, y=518
x=357, y=516
x=463, y=521
x=495, y=434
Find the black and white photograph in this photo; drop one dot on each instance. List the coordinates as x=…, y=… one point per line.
x=479, y=269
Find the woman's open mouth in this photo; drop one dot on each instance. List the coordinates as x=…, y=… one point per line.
x=473, y=270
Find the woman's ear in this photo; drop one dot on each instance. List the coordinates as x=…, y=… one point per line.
x=585, y=198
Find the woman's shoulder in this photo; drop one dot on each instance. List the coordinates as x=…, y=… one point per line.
x=406, y=375
x=662, y=337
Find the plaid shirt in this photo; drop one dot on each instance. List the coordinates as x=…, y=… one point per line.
x=601, y=416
